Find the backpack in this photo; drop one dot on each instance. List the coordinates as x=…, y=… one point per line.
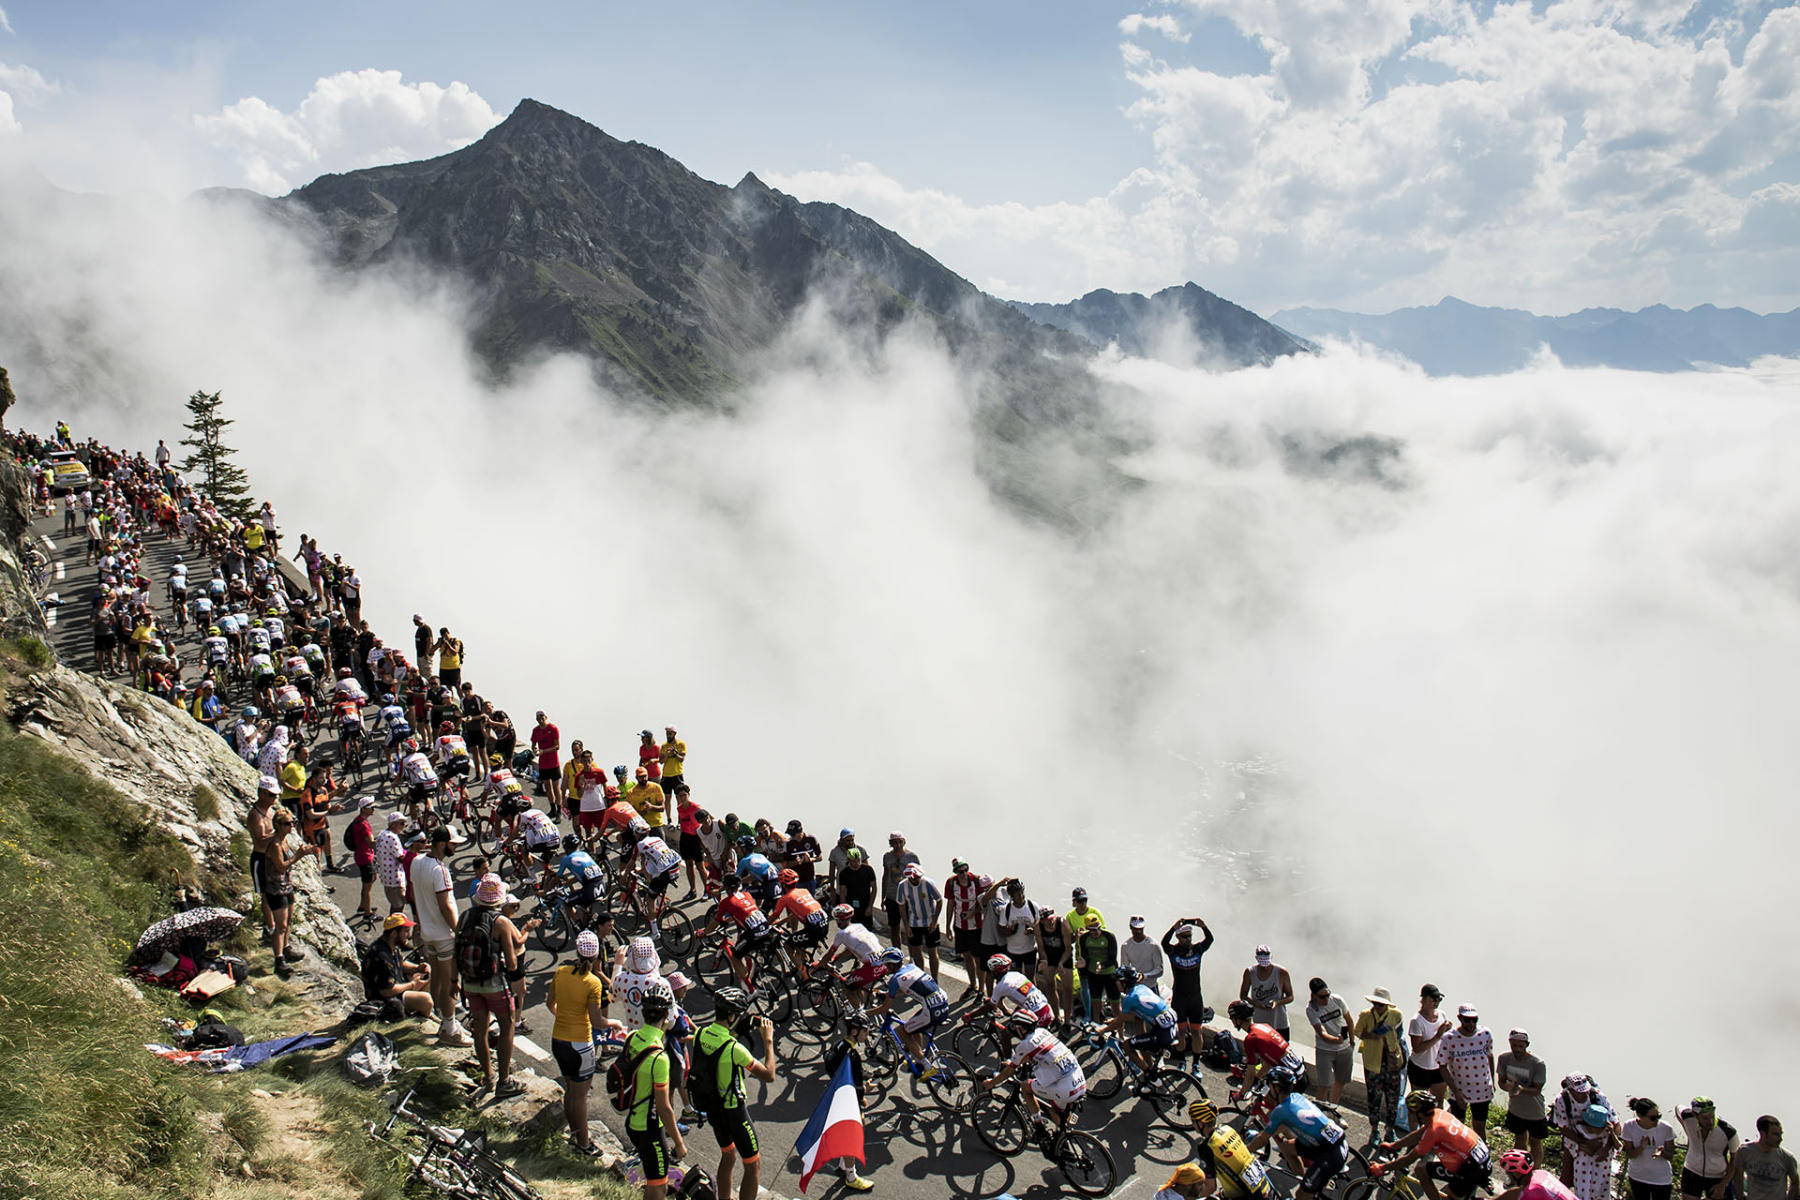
x=703, y=1076
x=371, y=1059
x=477, y=953
x=621, y=1078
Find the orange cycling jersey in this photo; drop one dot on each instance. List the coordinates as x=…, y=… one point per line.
x=801, y=904
x=741, y=908
x=618, y=816
x=1452, y=1140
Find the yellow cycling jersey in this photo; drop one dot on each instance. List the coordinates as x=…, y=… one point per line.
x=1239, y=1172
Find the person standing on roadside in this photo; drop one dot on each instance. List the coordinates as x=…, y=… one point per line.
x=1056, y=967
x=434, y=908
x=1269, y=989
x=1466, y=1057
x=450, y=659
x=1649, y=1144
x=359, y=839
x=1142, y=955
x=1712, y=1147
x=260, y=826
x=489, y=954
x=962, y=922
x=673, y=757
x=278, y=889
x=1522, y=1076
x=1764, y=1170
x=1423, y=1033
x=651, y=1116
x=1097, y=958
x=920, y=904
x=839, y=857
x=1334, y=1049
x=546, y=740
x=577, y=1000
x=717, y=1084
x=423, y=643
x=856, y=885
x=893, y=865
x=1378, y=1030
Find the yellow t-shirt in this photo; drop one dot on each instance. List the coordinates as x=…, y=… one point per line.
x=293, y=780
x=573, y=992
x=253, y=536
x=450, y=655
x=674, y=756
x=647, y=798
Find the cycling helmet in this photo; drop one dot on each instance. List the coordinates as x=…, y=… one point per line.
x=257, y=623
x=893, y=956
x=213, y=631
x=656, y=1008
x=619, y=771
x=746, y=839
x=843, y=912
x=788, y=878
x=280, y=680
x=178, y=558
x=637, y=827
x=1129, y=977
x=998, y=964
x=570, y=843
x=729, y=1001
x=412, y=744
x=1420, y=1098
x=1516, y=1163
x=495, y=760
x=1020, y=1024
x=446, y=727
x=1239, y=1010
x=1283, y=1078
x=343, y=672
x=248, y=711
x=1596, y=1116
x=1203, y=1112
x=387, y=698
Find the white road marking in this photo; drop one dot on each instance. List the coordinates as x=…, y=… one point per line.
x=59, y=571
x=45, y=538
x=530, y=1049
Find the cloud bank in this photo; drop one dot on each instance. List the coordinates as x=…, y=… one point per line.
x=1487, y=682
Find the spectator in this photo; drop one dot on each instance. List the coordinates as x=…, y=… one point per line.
x=359, y=839
x=546, y=741
x=801, y=855
x=1016, y=918
x=962, y=921
x=1184, y=955
x=856, y=885
x=489, y=952
x=503, y=739
x=1649, y=1143
x=434, y=908
x=849, y=1047
x=423, y=642
x=650, y=756
x=646, y=795
x=387, y=975
x=1522, y=1076
x=1466, y=1057
x=450, y=659
x=673, y=757
x=893, y=863
x=474, y=723
x=839, y=858
x=387, y=862
x=1568, y=1113
x=1142, y=955
x=577, y=1000
x=1187, y=1183
x=1377, y=1031
x=278, y=889
x=711, y=833
x=1334, y=1051
x=637, y=973
x=1764, y=1170
x=1097, y=958
x=920, y=905
x=1712, y=1147
x=1423, y=1033
x=260, y=826
x=720, y=1064
x=1056, y=969
x=1080, y=910
x=1269, y=989
x=579, y=760
x=651, y=1116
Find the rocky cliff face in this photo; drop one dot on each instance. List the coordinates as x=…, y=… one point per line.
x=20, y=615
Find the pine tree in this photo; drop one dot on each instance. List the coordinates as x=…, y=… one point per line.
x=225, y=482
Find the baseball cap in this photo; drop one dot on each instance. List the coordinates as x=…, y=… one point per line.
x=397, y=921
x=440, y=834
x=1079, y=894
x=1432, y=990
x=368, y=802
x=1186, y=1173
x=957, y=864
x=1136, y=922
x=1093, y=920
x=846, y=832
x=1518, y=1035
x=645, y=733
x=1467, y=1010
x=396, y=818
x=1264, y=954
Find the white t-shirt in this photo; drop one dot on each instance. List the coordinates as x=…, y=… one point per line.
x=1334, y=1018
x=859, y=941
x=1022, y=939
x=1464, y=1061
x=1421, y=1027
x=429, y=877
x=1649, y=1169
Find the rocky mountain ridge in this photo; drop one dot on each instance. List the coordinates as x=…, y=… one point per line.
x=1185, y=325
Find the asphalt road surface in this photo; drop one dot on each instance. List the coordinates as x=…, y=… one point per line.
x=914, y=1150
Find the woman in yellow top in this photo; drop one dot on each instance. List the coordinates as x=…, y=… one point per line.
x=577, y=999
x=450, y=656
x=253, y=537
x=570, y=770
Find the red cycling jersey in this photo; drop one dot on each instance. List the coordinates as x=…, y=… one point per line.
x=741, y=908
x=1264, y=1044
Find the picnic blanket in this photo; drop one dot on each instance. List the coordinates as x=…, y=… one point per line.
x=227, y=1059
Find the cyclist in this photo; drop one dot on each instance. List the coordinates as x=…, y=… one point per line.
x=262, y=677
x=587, y=878
x=1145, y=1005
x=863, y=946
x=453, y=761
x=1460, y=1152
x=290, y=705
x=1055, y=1077
x=421, y=781
x=1529, y=1183
x=257, y=636
x=660, y=865
x=1012, y=988
x=759, y=874
x=798, y=908
x=348, y=685
x=1320, y=1148
x=314, y=654
x=350, y=730
x=202, y=606
x=297, y=669
x=215, y=651
x=507, y=794
x=934, y=1004
x=1221, y=1151
x=392, y=717
x=541, y=837
x=740, y=908
x=1264, y=1048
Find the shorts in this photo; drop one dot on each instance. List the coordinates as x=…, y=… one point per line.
x=1471, y=1176
x=926, y=1017
x=1477, y=1109
x=1696, y=1185
x=499, y=1003
x=653, y=1158
x=513, y=803
x=574, y=1059
x=366, y=871
x=1189, y=1008
x=659, y=884
x=1062, y=1091
x=256, y=872
x=1153, y=1042
x=420, y=793
x=747, y=944
x=438, y=949
x=1529, y=1127
x=590, y=820
x=734, y=1131
x=275, y=903
x=692, y=848
x=916, y=936
x=1650, y=1191
x=1422, y=1077
x=1334, y=1066
x=1025, y=964
x=968, y=942
x=1322, y=1165
x=456, y=768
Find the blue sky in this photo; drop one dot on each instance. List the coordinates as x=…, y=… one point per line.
x=1370, y=154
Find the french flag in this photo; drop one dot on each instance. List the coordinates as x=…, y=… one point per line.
x=835, y=1129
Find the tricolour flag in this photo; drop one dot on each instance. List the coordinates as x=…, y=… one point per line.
x=835, y=1129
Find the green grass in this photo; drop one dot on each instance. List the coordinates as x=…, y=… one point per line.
x=28, y=650
x=206, y=803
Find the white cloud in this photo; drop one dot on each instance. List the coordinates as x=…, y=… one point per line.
x=1164, y=24
x=349, y=120
x=26, y=84
x=9, y=125
x=5, y=24
x=1589, y=151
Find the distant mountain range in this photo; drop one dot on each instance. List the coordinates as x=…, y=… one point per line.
x=1455, y=338
x=1186, y=324
x=581, y=242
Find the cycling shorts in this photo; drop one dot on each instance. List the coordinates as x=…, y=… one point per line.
x=747, y=943
x=1189, y=1008
x=456, y=768
x=513, y=802
x=659, y=884
x=653, y=1155
x=1470, y=1177
x=588, y=892
x=732, y=1128
x=1154, y=1041
x=1062, y=1091
x=421, y=792
x=927, y=1017
x=1323, y=1162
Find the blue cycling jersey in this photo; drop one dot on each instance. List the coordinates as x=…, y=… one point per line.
x=1150, y=1008
x=579, y=865
x=757, y=865
x=1311, y=1127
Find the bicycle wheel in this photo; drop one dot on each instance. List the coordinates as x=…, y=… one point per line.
x=675, y=932
x=880, y=1055
x=977, y=1044
x=557, y=931
x=1367, y=1188
x=487, y=831
x=772, y=999
x=1085, y=1163
x=998, y=1122
x=823, y=1007
x=1106, y=1078
x=499, y=1181
x=714, y=968
x=1356, y=1167
x=1169, y=1092
x=952, y=1089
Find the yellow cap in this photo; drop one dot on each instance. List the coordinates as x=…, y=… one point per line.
x=1186, y=1173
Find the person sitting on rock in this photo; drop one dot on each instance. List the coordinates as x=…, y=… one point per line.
x=387, y=974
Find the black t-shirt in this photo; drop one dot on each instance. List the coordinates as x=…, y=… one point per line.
x=382, y=968
x=803, y=846
x=422, y=640
x=858, y=884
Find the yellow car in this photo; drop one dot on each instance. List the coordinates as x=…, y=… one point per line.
x=67, y=472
